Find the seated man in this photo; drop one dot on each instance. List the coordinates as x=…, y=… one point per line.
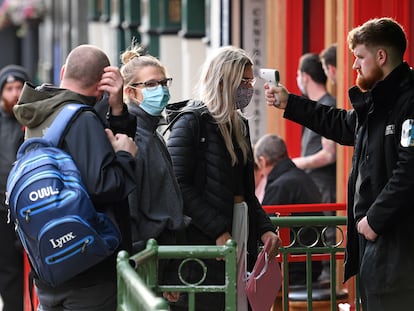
x=287, y=184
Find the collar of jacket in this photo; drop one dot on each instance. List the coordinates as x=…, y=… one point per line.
x=37, y=104
x=280, y=168
x=383, y=93
x=145, y=119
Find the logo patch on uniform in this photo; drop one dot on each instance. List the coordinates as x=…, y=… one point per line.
x=407, y=133
x=390, y=129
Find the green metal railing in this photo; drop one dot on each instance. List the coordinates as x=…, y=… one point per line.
x=308, y=253
x=137, y=275
x=133, y=292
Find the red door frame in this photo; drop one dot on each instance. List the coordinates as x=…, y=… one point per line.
x=303, y=18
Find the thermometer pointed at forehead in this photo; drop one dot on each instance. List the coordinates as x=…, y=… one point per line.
x=270, y=75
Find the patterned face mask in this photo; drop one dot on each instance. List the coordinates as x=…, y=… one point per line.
x=244, y=96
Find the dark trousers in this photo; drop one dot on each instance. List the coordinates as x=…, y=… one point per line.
x=11, y=266
x=98, y=297
x=400, y=300
x=392, y=301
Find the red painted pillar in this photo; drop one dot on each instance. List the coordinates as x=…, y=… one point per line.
x=303, y=18
x=27, y=303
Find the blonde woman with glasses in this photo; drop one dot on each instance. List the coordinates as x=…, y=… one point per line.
x=156, y=206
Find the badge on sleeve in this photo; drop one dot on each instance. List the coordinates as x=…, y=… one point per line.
x=407, y=133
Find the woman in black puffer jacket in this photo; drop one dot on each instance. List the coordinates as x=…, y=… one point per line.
x=213, y=162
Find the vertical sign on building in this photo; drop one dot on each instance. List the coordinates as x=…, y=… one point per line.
x=254, y=42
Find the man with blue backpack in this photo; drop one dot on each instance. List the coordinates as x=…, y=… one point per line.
x=105, y=162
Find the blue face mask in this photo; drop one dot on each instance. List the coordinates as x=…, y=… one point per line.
x=155, y=99
x=244, y=96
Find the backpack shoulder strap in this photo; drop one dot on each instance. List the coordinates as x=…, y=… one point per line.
x=176, y=110
x=201, y=131
x=62, y=121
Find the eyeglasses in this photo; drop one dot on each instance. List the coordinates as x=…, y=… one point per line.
x=247, y=81
x=153, y=83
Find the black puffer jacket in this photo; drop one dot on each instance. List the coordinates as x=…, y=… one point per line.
x=203, y=168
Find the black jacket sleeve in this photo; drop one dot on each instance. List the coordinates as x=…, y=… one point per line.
x=125, y=123
x=108, y=176
x=333, y=123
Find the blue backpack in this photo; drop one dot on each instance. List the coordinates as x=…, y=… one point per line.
x=55, y=219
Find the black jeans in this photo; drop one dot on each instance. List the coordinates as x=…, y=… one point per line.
x=98, y=297
x=11, y=266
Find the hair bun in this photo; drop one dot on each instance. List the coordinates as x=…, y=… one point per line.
x=134, y=51
x=128, y=56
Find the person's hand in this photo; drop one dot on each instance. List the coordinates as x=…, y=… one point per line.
x=365, y=229
x=121, y=142
x=221, y=240
x=275, y=243
x=276, y=95
x=112, y=83
x=171, y=296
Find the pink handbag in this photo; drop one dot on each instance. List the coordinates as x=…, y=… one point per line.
x=264, y=282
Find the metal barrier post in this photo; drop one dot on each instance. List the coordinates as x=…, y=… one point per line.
x=231, y=277
x=138, y=284
x=129, y=285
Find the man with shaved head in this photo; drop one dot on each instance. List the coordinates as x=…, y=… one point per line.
x=77, y=72
x=105, y=161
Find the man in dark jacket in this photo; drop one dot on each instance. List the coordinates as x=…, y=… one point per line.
x=105, y=161
x=12, y=78
x=287, y=184
x=381, y=183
